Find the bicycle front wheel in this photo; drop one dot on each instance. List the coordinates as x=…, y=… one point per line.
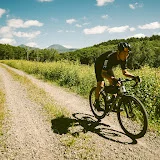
x=102, y=102
x=132, y=117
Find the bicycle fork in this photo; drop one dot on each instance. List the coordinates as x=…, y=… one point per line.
x=128, y=108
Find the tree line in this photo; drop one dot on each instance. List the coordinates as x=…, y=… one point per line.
x=27, y=53
x=145, y=51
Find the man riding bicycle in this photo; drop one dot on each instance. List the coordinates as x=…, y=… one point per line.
x=103, y=68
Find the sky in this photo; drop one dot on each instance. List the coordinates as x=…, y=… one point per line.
x=76, y=23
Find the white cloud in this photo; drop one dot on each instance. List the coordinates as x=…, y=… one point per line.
x=78, y=25
x=67, y=31
x=131, y=6
x=95, y=30
x=105, y=16
x=67, y=46
x=102, y=29
x=118, y=29
x=132, y=29
x=7, y=41
x=103, y=2
x=27, y=35
x=138, y=35
x=45, y=0
x=154, y=25
x=70, y=21
x=32, y=44
x=2, y=11
x=84, y=24
x=15, y=23
x=6, y=32
x=32, y=23
x=135, y=5
x=19, y=23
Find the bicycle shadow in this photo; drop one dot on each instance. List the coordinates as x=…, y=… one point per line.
x=87, y=123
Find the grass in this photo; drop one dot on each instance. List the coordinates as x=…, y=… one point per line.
x=2, y=113
x=2, y=101
x=70, y=75
x=81, y=78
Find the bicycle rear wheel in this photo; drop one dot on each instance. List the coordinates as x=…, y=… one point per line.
x=132, y=117
x=102, y=103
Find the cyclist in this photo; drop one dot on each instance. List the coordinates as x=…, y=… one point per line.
x=103, y=68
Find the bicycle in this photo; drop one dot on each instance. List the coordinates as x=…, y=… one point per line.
x=131, y=113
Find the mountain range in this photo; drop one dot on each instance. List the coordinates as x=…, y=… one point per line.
x=61, y=48
x=58, y=47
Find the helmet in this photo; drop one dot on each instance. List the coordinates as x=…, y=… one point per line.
x=123, y=45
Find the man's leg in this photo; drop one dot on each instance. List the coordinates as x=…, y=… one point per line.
x=100, y=80
x=107, y=75
x=100, y=85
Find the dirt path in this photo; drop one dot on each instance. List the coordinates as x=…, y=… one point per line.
x=30, y=137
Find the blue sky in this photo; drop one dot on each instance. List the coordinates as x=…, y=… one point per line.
x=76, y=23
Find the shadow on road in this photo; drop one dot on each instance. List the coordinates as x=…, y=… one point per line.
x=87, y=123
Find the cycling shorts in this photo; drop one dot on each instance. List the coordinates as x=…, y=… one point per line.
x=98, y=72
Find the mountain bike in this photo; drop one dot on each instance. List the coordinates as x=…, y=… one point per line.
x=131, y=113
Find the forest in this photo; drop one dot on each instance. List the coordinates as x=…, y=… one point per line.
x=145, y=51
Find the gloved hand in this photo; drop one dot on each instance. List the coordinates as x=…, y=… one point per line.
x=137, y=79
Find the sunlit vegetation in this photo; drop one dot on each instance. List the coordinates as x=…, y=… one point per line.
x=80, y=78
x=75, y=70
x=145, y=51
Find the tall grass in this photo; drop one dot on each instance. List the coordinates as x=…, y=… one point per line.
x=2, y=110
x=2, y=99
x=81, y=79
x=72, y=75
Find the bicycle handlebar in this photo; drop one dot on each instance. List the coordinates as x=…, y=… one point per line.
x=127, y=80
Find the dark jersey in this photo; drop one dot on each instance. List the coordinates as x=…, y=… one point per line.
x=109, y=60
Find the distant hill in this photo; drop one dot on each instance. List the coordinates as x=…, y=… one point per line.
x=27, y=47
x=61, y=48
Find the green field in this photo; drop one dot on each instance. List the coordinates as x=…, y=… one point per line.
x=81, y=78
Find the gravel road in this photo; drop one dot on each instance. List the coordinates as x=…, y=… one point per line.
x=29, y=136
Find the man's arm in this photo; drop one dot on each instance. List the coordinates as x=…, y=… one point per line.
x=127, y=74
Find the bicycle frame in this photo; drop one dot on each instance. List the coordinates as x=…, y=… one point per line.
x=121, y=92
